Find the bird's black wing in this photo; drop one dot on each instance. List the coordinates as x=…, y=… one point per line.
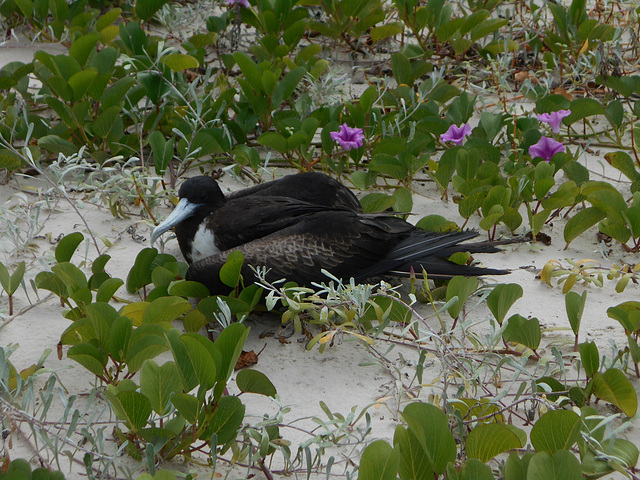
x=313, y=187
x=244, y=219
x=337, y=241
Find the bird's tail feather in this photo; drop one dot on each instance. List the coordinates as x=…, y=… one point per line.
x=423, y=250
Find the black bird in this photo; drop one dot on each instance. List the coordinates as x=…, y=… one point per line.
x=206, y=222
x=318, y=226
x=348, y=244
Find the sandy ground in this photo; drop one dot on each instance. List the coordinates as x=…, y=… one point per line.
x=304, y=378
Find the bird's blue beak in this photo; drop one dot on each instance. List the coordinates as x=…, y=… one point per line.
x=183, y=210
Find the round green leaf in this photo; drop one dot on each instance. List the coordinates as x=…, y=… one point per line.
x=379, y=461
x=555, y=430
x=563, y=465
x=157, y=383
x=136, y=408
x=230, y=271
x=67, y=246
x=502, y=298
x=523, y=330
x=490, y=439
x=180, y=61
x=253, y=381
x=614, y=387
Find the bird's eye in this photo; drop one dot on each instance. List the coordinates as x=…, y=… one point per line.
x=203, y=196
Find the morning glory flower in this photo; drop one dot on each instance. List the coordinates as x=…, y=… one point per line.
x=242, y=3
x=348, y=137
x=554, y=119
x=456, y=134
x=546, y=148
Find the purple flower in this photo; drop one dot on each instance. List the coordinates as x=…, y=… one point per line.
x=554, y=119
x=546, y=148
x=348, y=137
x=456, y=134
x=242, y=3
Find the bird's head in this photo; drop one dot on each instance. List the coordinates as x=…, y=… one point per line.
x=198, y=195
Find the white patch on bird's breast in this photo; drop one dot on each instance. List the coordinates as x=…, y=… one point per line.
x=204, y=244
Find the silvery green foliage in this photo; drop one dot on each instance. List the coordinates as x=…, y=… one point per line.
x=58, y=426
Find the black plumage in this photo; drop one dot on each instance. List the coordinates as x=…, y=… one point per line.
x=207, y=222
x=348, y=244
x=317, y=226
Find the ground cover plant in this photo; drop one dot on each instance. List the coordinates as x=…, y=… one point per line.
x=496, y=107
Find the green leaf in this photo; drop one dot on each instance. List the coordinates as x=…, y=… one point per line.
x=249, y=69
x=427, y=445
x=403, y=200
x=386, y=31
x=582, y=108
x=165, y=309
x=363, y=180
x=623, y=162
x=274, y=140
x=9, y=160
x=230, y=271
x=523, y=330
x=230, y=343
x=615, y=113
x=105, y=121
x=387, y=164
x=158, y=383
x=11, y=282
x=81, y=81
x=618, y=453
x=627, y=314
x=487, y=27
x=555, y=431
x=402, y=70
x=185, y=288
x=140, y=273
x=472, y=469
x=490, y=439
x=436, y=223
x=146, y=9
x=376, y=202
x=56, y=144
x=502, y=298
x=609, y=201
x=89, y=356
x=82, y=47
x=226, y=420
x=471, y=203
x=590, y=357
x=614, y=387
x=379, y=461
x=71, y=275
x=180, y=61
x=107, y=289
x=67, y=246
x=253, y=381
x=574, y=304
x=460, y=287
x=145, y=344
x=187, y=373
x=119, y=338
x=136, y=408
x=187, y=406
x=562, y=466
x=202, y=361
x=581, y=222
x=50, y=281
x=285, y=87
